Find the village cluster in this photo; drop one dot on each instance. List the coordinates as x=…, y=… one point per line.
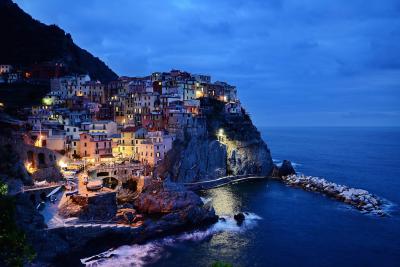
x=130, y=118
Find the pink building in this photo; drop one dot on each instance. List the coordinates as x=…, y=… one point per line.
x=94, y=146
x=154, y=148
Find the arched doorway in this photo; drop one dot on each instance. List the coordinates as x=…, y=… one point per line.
x=110, y=182
x=131, y=185
x=42, y=159
x=31, y=158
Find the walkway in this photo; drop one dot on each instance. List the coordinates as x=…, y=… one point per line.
x=209, y=184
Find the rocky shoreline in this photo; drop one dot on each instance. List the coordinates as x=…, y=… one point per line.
x=160, y=210
x=358, y=198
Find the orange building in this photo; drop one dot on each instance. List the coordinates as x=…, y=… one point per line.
x=94, y=146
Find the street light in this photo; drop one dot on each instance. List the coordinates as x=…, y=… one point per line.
x=220, y=135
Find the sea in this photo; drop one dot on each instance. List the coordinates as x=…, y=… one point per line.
x=287, y=226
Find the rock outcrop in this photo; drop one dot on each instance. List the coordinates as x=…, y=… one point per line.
x=195, y=159
x=231, y=145
x=175, y=207
x=166, y=201
x=284, y=170
x=98, y=207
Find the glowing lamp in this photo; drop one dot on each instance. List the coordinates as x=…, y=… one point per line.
x=62, y=164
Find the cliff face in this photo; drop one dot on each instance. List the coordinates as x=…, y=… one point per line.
x=231, y=146
x=28, y=41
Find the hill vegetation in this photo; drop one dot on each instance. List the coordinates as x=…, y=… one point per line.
x=26, y=41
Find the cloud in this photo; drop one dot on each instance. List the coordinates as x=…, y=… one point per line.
x=284, y=55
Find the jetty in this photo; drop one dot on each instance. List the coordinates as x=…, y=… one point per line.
x=358, y=198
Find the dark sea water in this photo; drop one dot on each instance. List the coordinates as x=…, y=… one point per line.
x=291, y=227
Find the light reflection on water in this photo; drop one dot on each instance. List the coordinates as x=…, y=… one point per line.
x=224, y=200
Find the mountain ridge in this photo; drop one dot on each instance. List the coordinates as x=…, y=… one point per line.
x=29, y=41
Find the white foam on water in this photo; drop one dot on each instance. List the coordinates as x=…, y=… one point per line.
x=205, y=200
x=151, y=252
x=133, y=255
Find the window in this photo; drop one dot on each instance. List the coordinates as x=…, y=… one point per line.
x=158, y=154
x=74, y=143
x=85, y=144
x=74, y=130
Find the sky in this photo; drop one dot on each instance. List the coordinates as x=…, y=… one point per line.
x=295, y=63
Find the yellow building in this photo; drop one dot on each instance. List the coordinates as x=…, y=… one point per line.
x=116, y=148
x=127, y=142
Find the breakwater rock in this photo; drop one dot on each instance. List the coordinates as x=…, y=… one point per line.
x=358, y=198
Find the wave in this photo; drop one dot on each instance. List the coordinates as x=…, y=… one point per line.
x=149, y=253
x=205, y=200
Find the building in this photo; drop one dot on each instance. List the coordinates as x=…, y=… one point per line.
x=153, y=148
x=233, y=108
x=127, y=142
x=5, y=69
x=109, y=128
x=130, y=138
x=72, y=132
x=56, y=142
x=153, y=121
x=94, y=146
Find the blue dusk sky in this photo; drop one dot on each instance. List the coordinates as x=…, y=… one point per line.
x=295, y=63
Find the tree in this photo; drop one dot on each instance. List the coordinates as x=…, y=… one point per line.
x=14, y=249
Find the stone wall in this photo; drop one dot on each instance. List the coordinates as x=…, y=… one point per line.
x=42, y=160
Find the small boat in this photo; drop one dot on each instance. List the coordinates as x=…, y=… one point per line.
x=94, y=185
x=53, y=199
x=54, y=191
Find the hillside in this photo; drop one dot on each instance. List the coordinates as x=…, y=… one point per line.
x=26, y=41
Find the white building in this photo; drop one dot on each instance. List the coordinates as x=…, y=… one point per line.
x=107, y=127
x=5, y=69
x=72, y=132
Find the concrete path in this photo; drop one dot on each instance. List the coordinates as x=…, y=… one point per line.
x=204, y=185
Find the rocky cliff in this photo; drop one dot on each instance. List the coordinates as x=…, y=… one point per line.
x=232, y=145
